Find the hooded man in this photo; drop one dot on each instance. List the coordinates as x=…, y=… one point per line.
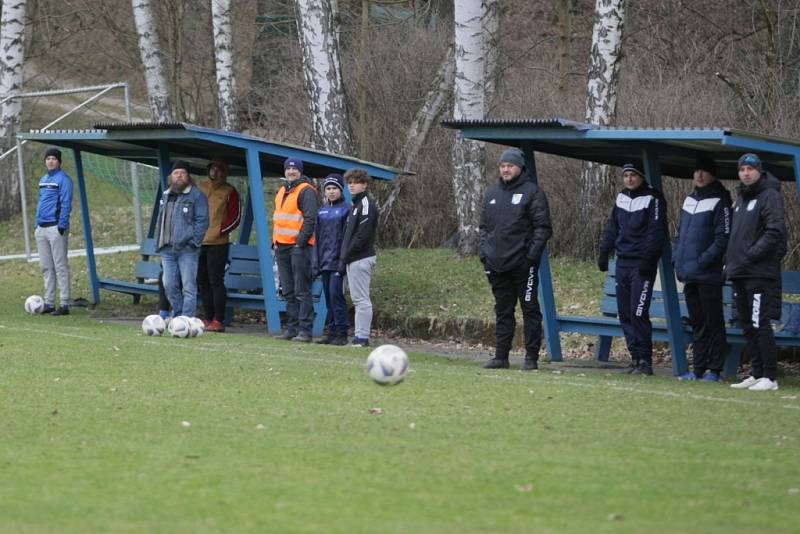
x=703, y=231
x=753, y=264
x=514, y=229
x=637, y=231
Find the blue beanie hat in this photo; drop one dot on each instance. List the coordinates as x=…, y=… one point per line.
x=293, y=162
x=752, y=160
x=333, y=179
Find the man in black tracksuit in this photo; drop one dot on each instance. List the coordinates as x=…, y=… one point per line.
x=700, y=244
x=514, y=229
x=637, y=231
x=753, y=264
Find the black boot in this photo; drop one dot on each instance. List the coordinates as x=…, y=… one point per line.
x=631, y=367
x=325, y=340
x=496, y=363
x=530, y=365
x=644, y=368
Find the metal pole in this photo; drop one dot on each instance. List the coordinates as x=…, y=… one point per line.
x=23, y=196
x=137, y=201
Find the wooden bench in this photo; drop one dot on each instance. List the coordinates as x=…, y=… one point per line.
x=242, y=281
x=607, y=327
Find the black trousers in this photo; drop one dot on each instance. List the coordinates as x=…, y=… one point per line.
x=707, y=318
x=754, y=305
x=211, y=280
x=509, y=287
x=294, y=269
x=634, y=294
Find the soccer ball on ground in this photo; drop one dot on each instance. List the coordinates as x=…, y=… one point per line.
x=34, y=304
x=387, y=365
x=153, y=325
x=179, y=326
x=196, y=327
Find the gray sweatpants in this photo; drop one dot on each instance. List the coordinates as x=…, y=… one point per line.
x=359, y=276
x=53, y=260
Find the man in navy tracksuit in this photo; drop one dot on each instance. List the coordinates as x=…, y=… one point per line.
x=52, y=231
x=329, y=233
x=705, y=225
x=637, y=231
x=514, y=229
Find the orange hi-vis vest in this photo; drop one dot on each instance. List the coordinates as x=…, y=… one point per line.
x=288, y=219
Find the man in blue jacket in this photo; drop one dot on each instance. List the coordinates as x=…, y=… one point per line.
x=181, y=226
x=52, y=231
x=637, y=231
x=705, y=225
x=329, y=233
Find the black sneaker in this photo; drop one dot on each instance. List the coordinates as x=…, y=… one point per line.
x=339, y=341
x=359, y=342
x=63, y=310
x=631, y=368
x=325, y=340
x=644, y=368
x=48, y=308
x=530, y=365
x=287, y=335
x=302, y=337
x=496, y=363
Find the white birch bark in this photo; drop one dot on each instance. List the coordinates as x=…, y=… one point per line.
x=223, y=57
x=152, y=59
x=601, y=109
x=323, y=76
x=469, y=103
x=12, y=56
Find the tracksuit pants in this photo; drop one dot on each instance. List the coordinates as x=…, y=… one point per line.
x=754, y=306
x=521, y=285
x=704, y=302
x=634, y=293
x=359, y=277
x=294, y=269
x=211, y=280
x=52, y=248
x=336, y=321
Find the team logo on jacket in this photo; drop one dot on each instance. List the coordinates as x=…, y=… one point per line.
x=516, y=197
x=752, y=204
x=492, y=202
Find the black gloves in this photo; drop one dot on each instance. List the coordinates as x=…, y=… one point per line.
x=648, y=267
x=602, y=261
x=61, y=230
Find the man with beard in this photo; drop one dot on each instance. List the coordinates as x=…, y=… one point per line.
x=514, y=229
x=182, y=223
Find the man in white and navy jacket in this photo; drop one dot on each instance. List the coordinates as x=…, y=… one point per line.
x=637, y=230
x=699, y=255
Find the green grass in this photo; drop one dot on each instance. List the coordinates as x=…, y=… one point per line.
x=92, y=439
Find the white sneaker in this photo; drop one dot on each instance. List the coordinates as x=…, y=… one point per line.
x=764, y=384
x=746, y=383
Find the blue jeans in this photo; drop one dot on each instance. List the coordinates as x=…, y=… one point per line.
x=180, y=279
x=337, y=320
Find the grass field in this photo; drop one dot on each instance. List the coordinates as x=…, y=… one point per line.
x=106, y=430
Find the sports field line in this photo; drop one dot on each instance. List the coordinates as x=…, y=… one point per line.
x=529, y=378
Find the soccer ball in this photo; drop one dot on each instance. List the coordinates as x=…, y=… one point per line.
x=387, y=365
x=153, y=325
x=34, y=304
x=179, y=326
x=196, y=327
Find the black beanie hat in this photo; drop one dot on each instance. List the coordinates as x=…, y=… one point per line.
x=180, y=164
x=334, y=179
x=56, y=153
x=512, y=155
x=705, y=163
x=634, y=167
x=752, y=160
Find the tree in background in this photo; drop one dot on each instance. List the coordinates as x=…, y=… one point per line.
x=223, y=56
x=150, y=52
x=323, y=76
x=12, y=33
x=601, y=109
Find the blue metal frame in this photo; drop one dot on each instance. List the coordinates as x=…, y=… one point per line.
x=94, y=283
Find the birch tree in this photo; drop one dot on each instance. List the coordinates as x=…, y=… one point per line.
x=323, y=76
x=152, y=59
x=12, y=54
x=491, y=24
x=469, y=103
x=601, y=109
x=223, y=57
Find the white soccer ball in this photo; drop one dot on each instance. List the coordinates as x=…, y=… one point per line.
x=387, y=365
x=34, y=304
x=196, y=327
x=153, y=325
x=179, y=326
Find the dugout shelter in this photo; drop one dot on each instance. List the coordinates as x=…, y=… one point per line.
x=158, y=144
x=663, y=151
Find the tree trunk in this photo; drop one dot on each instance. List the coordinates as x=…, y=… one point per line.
x=491, y=25
x=564, y=35
x=323, y=76
x=150, y=52
x=601, y=109
x=469, y=103
x=12, y=56
x=223, y=56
